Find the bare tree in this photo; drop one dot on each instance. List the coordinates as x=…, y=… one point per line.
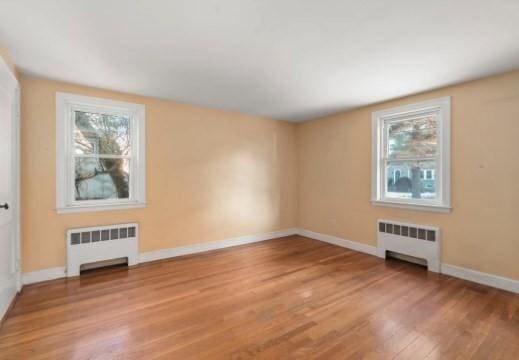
x=102, y=135
x=413, y=141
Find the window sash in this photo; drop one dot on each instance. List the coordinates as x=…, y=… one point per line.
x=66, y=106
x=386, y=123
x=100, y=111
x=72, y=184
x=384, y=176
x=380, y=159
x=102, y=156
x=407, y=159
x=385, y=160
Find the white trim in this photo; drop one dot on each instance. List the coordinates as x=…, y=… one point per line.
x=9, y=83
x=409, y=206
x=353, y=245
x=8, y=78
x=104, y=207
x=447, y=269
x=60, y=272
x=65, y=104
x=214, y=245
x=481, y=277
x=44, y=275
x=17, y=179
x=443, y=107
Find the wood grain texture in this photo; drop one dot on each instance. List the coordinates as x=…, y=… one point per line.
x=289, y=298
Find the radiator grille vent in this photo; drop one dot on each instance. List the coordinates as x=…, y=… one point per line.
x=116, y=233
x=407, y=231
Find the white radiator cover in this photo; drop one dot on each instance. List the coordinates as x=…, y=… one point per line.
x=423, y=242
x=100, y=243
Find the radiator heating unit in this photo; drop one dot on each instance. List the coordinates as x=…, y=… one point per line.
x=412, y=241
x=108, y=244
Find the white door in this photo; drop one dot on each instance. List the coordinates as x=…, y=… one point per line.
x=9, y=248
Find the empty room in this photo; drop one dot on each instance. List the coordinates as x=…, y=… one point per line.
x=251, y=179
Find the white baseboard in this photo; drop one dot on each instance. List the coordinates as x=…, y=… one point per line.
x=214, y=245
x=43, y=275
x=353, y=245
x=60, y=272
x=481, y=277
x=447, y=269
x=452, y=270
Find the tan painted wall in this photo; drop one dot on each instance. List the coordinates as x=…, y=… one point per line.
x=211, y=175
x=482, y=231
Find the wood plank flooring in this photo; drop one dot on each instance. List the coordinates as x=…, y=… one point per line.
x=288, y=298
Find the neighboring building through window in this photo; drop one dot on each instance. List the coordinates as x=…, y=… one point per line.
x=100, y=154
x=411, y=156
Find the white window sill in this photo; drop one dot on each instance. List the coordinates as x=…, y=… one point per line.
x=410, y=206
x=99, y=207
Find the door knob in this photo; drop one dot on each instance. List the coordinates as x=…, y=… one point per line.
x=4, y=206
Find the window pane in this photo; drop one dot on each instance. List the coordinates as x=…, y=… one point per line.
x=412, y=137
x=101, y=134
x=101, y=178
x=405, y=180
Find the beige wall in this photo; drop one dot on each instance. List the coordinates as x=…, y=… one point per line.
x=482, y=231
x=211, y=175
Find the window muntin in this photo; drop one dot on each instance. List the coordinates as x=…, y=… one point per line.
x=411, y=155
x=101, y=159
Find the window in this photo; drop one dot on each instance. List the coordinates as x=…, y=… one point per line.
x=412, y=140
x=100, y=154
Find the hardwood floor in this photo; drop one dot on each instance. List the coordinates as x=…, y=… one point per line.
x=289, y=298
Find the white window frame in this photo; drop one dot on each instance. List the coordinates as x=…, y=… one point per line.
x=66, y=104
x=441, y=107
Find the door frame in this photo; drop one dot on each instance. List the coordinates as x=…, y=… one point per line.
x=9, y=80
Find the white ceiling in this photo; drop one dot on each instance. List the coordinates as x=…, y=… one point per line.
x=286, y=59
